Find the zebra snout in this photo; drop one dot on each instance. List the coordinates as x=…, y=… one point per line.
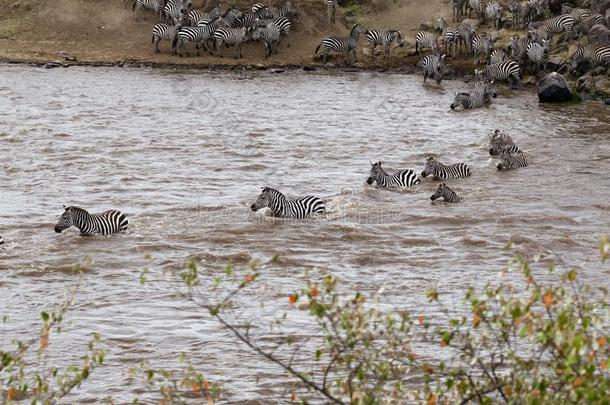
x=57, y=229
x=433, y=197
x=369, y=180
x=452, y=106
x=253, y=207
x=424, y=174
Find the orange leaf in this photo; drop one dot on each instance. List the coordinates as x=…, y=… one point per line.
x=249, y=278
x=293, y=397
x=292, y=298
x=11, y=394
x=601, y=341
x=413, y=356
x=443, y=343
x=530, y=279
x=432, y=399
x=314, y=291
x=508, y=391
x=548, y=299
x=577, y=382
x=44, y=341
x=196, y=388
x=206, y=385
x=476, y=319
x=421, y=319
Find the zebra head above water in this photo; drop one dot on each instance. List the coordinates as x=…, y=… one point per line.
x=105, y=223
x=445, y=192
x=432, y=166
x=460, y=99
x=376, y=173
x=282, y=206
x=263, y=200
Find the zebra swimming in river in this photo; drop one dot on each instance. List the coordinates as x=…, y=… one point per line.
x=105, y=223
x=500, y=141
x=285, y=207
x=439, y=171
x=446, y=193
x=480, y=96
x=511, y=161
x=402, y=178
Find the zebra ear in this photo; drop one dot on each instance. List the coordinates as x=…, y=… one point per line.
x=65, y=208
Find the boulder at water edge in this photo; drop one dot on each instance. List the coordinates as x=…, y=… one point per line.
x=554, y=88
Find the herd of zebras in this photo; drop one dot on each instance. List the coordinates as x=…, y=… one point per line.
x=501, y=146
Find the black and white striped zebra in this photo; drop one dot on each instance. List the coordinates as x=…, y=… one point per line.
x=425, y=40
x=518, y=48
x=269, y=36
x=555, y=25
x=384, y=39
x=155, y=5
x=285, y=207
x=231, y=37
x=595, y=54
x=583, y=27
x=512, y=161
x=164, y=32
x=195, y=16
x=1, y=240
x=345, y=45
x=478, y=6
x=451, y=39
x=433, y=66
x=439, y=171
x=283, y=24
x=198, y=35
x=500, y=141
x=493, y=13
x=517, y=9
x=497, y=56
x=480, y=96
x=402, y=178
x=331, y=9
x=538, y=35
x=579, y=13
x=105, y=223
x=446, y=193
x=466, y=32
x=538, y=55
x=287, y=10
x=458, y=9
x=176, y=11
x=507, y=70
x=440, y=24
x=482, y=45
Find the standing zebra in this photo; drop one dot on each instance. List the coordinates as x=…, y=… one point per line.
x=341, y=44
x=493, y=12
x=331, y=9
x=516, y=8
x=195, y=16
x=478, y=6
x=518, y=48
x=439, y=171
x=285, y=207
x=433, y=66
x=555, y=25
x=106, y=223
x=424, y=40
x=199, y=35
x=480, y=96
x=164, y=32
x=383, y=38
x=176, y=11
x=458, y=9
x=283, y=24
x=287, y=10
x=593, y=53
x=269, y=35
x=155, y=5
x=507, y=70
x=512, y=161
x=497, y=56
x=231, y=36
x=451, y=38
x=482, y=45
x=466, y=32
x=538, y=54
x=446, y=193
x=402, y=178
x=579, y=13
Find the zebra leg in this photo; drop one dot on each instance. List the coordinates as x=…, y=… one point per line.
x=156, y=41
x=325, y=56
x=425, y=75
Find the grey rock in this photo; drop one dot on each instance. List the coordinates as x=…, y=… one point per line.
x=554, y=88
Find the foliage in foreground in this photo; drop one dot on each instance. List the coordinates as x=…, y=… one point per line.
x=522, y=341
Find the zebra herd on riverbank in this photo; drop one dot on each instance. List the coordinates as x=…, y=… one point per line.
x=501, y=146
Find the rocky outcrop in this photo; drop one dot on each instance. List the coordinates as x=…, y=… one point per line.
x=554, y=88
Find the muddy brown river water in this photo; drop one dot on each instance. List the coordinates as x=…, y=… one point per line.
x=184, y=154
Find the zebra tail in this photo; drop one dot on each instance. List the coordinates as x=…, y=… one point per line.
x=153, y=39
x=174, y=42
x=133, y=7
